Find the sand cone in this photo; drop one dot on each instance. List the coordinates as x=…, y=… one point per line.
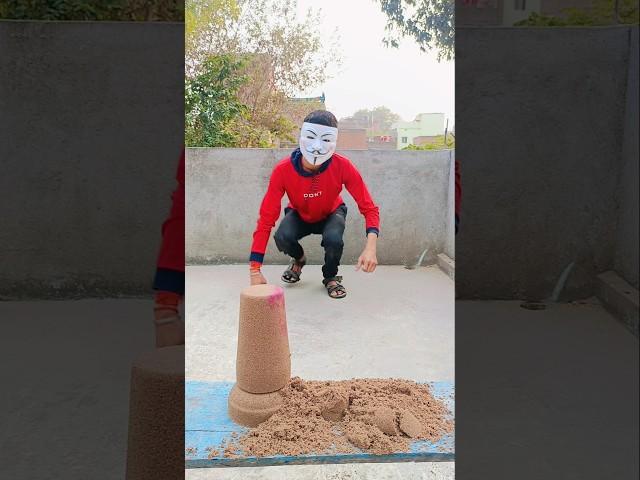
x=251, y=409
x=263, y=363
x=156, y=416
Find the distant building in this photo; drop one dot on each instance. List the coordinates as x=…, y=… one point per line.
x=508, y=12
x=355, y=122
x=425, y=125
x=376, y=123
x=382, y=142
x=321, y=99
x=352, y=139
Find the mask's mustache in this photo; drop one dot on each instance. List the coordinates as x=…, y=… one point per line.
x=315, y=151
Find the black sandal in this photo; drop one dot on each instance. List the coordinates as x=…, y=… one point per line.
x=290, y=275
x=338, y=287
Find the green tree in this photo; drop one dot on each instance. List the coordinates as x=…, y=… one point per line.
x=282, y=55
x=270, y=29
x=377, y=120
x=212, y=108
x=101, y=10
x=206, y=22
x=429, y=22
x=438, y=143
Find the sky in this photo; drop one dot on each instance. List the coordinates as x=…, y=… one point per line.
x=404, y=79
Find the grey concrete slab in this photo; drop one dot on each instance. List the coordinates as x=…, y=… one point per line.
x=64, y=400
x=361, y=471
x=104, y=187
x=620, y=298
x=393, y=323
x=447, y=265
x=542, y=167
x=626, y=248
x=545, y=394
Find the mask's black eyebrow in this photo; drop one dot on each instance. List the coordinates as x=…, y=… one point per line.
x=309, y=130
x=325, y=134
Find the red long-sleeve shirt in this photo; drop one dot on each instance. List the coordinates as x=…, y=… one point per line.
x=171, y=254
x=458, y=197
x=313, y=196
x=170, y=264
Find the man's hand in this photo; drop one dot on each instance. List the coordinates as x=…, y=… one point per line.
x=169, y=329
x=256, y=277
x=168, y=324
x=367, y=260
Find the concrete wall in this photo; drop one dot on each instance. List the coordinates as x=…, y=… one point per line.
x=91, y=128
x=225, y=188
x=626, y=248
x=383, y=145
x=547, y=158
x=450, y=242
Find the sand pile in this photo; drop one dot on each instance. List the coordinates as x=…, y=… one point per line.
x=374, y=415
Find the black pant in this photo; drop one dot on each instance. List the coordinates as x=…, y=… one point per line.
x=292, y=228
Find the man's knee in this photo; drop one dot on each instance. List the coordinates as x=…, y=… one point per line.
x=332, y=240
x=284, y=238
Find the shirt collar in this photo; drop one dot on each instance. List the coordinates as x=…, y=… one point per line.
x=296, y=161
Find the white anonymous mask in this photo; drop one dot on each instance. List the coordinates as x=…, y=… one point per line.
x=317, y=142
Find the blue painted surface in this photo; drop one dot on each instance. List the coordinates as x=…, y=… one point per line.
x=207, y=425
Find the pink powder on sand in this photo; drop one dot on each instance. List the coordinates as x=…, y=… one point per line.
x=276, y=300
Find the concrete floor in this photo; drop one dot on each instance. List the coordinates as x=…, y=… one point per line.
x=65, y=388
x=393, y=323
x=549, y=394
x=360, y=471
x=64, y=397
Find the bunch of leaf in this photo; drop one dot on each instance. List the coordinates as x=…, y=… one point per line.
x=602, y=12
x=429, y=22
x=281, y=53
x=212, y=107
x=438, y=143
x=377, y=121
x=101, y=10
x=207, y=24
x=267, y=105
